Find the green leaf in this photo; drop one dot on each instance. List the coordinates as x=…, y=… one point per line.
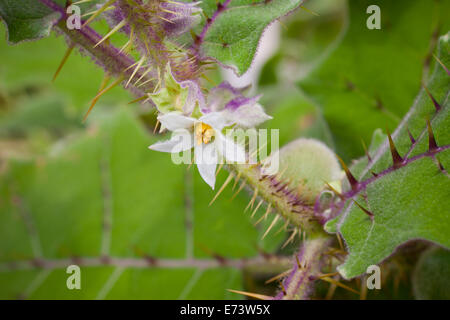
x=27, y=19
x=104, y=201
x=233, y=36
x=407, y=202
x=432, y=275
x=371, y=78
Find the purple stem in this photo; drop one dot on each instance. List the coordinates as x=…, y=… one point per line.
x=363, y=184
x=221, y=7
x=106, y=55
x=299, y=283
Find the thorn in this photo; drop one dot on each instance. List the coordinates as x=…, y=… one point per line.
x=327, y=275
x=432, y=145
x=218, y=169
x=251, y=295
x=290, y=239
x=338, y=236
x=109, y=34
x=145, y=82
x=283, y=227
x=271, y=226
x=138, y=99
x=102, y=91
x=442, y=64
x=299, y=265
x=194, y=36
x=257, y=151
x=374, y=174
x=252, y=201
x=135, y=70
x=282, y=288
x=257, y=207
x=437, y=106
x=220, y=259
x=351, y=179
x=331, y=291
x=441, y=167
x=281, y=187
x=238, y=177
x=130, y=66
x=164, y=19
x=266, y=256
x=411, y=137
x=396, y=158
x=156, y=126
x=310, y=11
x=143, y=75
x=238, y=190
x=366, y=151
x=339, y=284
x=370, y=214
x=278, y=276
x=280, y=175
x=340, y=195
x=98, y=12
x=264, y=216
x=63, y=62
x=230, y=177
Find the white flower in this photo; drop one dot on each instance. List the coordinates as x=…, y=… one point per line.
x=205, y=136
x=235, y=107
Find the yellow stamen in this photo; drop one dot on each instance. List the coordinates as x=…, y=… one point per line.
x=203, y=133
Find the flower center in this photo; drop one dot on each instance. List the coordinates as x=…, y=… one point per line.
x=203, y=133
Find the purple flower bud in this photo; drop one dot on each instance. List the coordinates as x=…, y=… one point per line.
x=179, y=17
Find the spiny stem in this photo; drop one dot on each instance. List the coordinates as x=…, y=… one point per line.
x=299, y=283
x=106, y=55
x=299, y=212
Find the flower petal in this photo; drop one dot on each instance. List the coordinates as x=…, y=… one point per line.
x=206, y=159
x=248, y=115
x=173, y=121
x=218, y=97
x=195, y=96
x=179, y=16
x=181, y=140
x=232, y=151
x=216, y=120
x=234, y=107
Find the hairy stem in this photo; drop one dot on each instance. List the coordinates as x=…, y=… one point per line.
x=292, y=207
x=110, y=58
x=300, y=282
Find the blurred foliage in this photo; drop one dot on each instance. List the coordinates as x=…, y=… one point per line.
x=432, y=275
x=61, y=178
x=371, y=78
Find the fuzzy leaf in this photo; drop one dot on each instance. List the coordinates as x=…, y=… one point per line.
x=408, y=202
x=234, y=34
x=27, y=19
x=103, y=194
x=371, y=78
